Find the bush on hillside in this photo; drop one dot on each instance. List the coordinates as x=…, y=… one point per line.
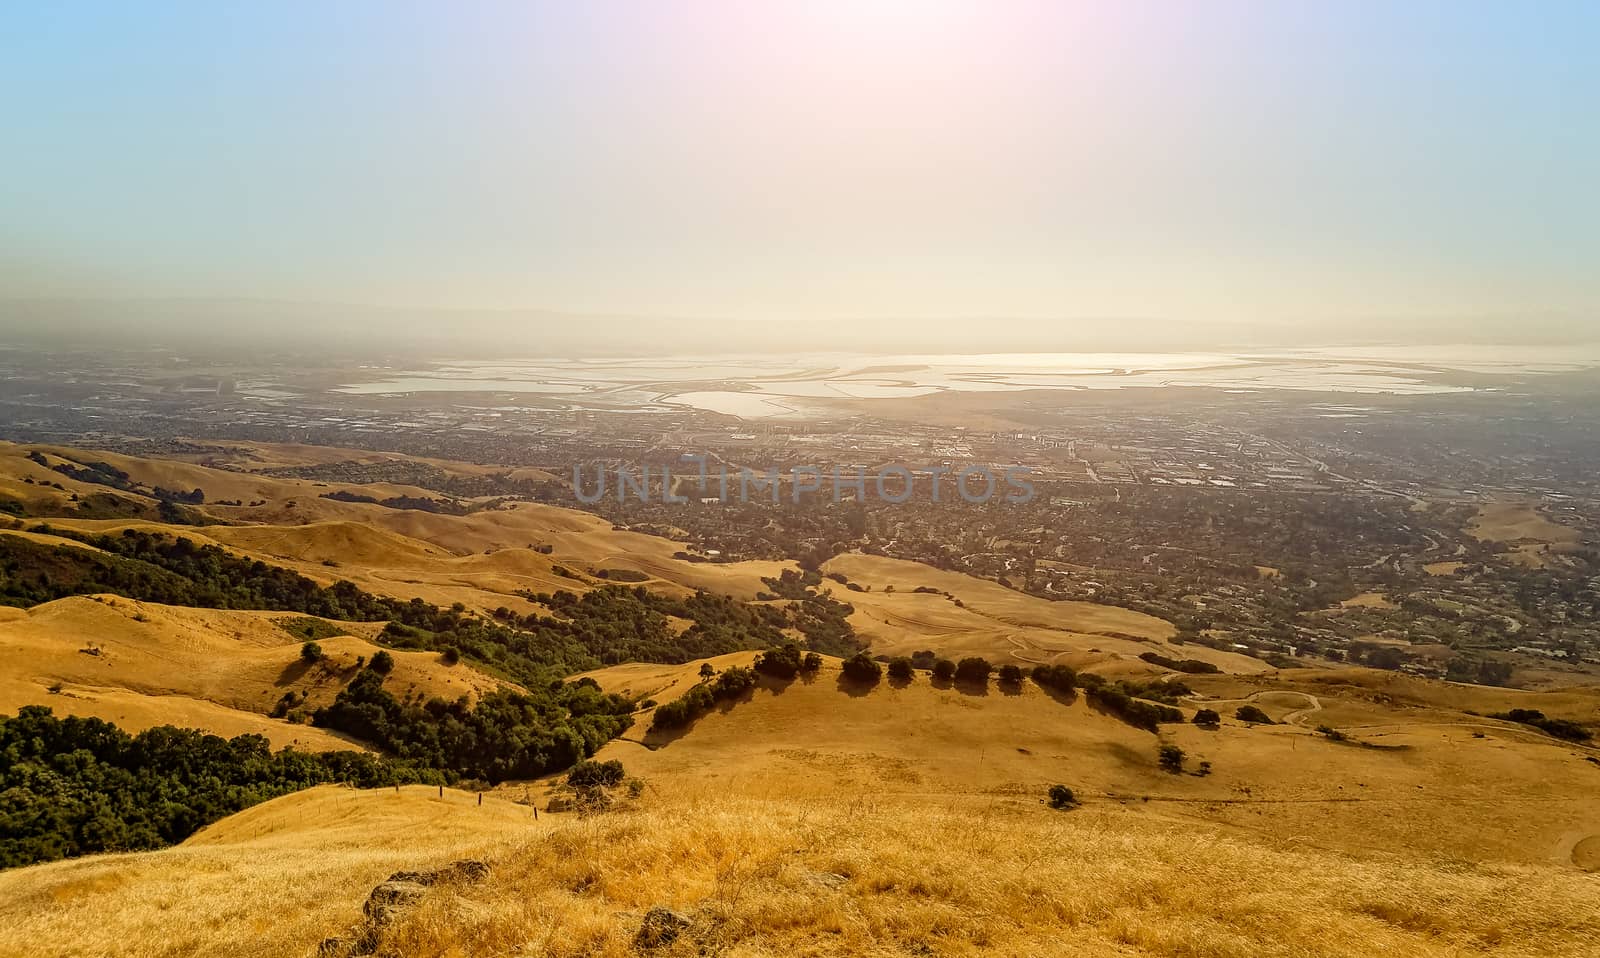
x=974, y=670
x=1062, y=797
x=1253, y=715
x=861, y=668
x=1010, y=675
x=733, y=683
x=1059, y=678
x=1171, y=758
x=944, y=670
x=1136, y=712
x=900, y=669
x=781, y=663
x=590, y=774
x=1191, y=666
x=75, y=786
x=506, y=734
x=1560, y=728
x=1207, y=718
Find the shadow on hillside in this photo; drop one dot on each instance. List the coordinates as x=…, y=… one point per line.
x=853, y=688
x=1100, y=709
x=895, y=683
x=294, y=672
x=724, y=706
x=1009, y=688
x=1064, y=697
x=660, y=738
x=974, y=689
x=1128, y=755
x=655, y=738
x=773, y=684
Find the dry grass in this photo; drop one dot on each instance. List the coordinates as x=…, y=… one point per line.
x=272, y=880
x=862, y=877
x=839, y=874
x=135, y=711
x=216, y=669
x=1367, y=600
x=813, y=820
x=1003, y=624
x=1516, y=522
x=997, y=601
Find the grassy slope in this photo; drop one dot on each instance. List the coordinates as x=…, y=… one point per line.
x=1512, y=795
x=924, y=800
x=874, y=876
x=271, y=880
x=1003, y=624
x=811, y=820
x=218, y=670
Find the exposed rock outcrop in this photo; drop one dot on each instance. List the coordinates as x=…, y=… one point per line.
x=396, y=895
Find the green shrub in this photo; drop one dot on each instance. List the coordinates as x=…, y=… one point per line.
x=974, y=670
x=311, y=653
x=1060, y=678
x=781, y=663
x=1560, y=728
x=1136, y=712
x=1062, y=797
x=944, y=670
x=1207, y=718
x=589, y=774
x=382, y=662
x=74, y=786
x=1191, y=666
x=900, y=668
x=861, y=668
x=1010, y=675
x=733, y=682
x=1171, y=758
x=1253, y=715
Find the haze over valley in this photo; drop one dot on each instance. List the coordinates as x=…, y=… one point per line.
x=837, y=477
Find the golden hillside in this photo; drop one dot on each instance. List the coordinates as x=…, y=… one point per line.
x=1430, y=783
x=272, y=880
x=139, y=664
x=818, y=819
x=814, y=816
x=1000, y=623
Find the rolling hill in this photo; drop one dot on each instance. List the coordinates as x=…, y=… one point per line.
x=1378, y=812
x=817, y=818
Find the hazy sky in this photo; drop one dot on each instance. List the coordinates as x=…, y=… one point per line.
x=1272, y=161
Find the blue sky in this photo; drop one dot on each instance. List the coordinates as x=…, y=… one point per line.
x=1284, y=161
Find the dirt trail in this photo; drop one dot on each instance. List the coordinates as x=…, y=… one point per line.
x=1295, y=717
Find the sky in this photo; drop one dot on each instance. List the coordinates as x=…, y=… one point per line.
x=1278, y=161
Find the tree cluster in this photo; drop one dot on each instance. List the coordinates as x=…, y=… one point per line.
x=1190, y=666
x=506, y=735
x=1119, y=699
x=729, y=686
x=1560, y=728
x=74, y=786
